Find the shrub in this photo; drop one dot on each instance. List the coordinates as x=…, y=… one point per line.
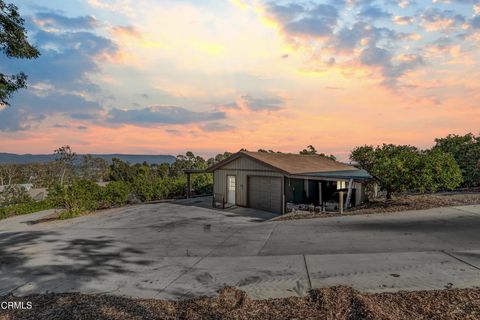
x=202, y=183
x=115, y=194
x=175, y=187
x=24, y=208
x=56, y=195
x=79, y=197
x=143, y=189
x=160, y=189
x=14, y=194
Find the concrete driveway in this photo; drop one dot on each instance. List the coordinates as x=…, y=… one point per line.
x=179, y=250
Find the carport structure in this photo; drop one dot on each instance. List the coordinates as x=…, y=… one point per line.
x=268, y=181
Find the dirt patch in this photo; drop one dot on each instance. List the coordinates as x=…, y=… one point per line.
x=329, y=303
x=397, y=204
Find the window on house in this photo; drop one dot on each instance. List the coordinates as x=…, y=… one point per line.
x=341, y=185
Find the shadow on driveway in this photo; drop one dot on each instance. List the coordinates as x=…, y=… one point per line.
x=22, y=259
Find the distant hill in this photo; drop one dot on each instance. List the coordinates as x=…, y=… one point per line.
x=44, y=158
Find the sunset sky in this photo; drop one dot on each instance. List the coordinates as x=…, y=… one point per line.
x=167, y=76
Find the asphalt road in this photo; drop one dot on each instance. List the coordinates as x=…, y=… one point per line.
x=179, y=250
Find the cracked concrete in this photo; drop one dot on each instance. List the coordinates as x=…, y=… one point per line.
x=183, y=249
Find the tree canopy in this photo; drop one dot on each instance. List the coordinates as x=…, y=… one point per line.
x=466, y=151
x=311, y=150
x=405, y=168
x=14, y=44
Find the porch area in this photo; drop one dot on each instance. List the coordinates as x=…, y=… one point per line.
x=322, y=195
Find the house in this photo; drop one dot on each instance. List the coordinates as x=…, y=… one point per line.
x=268, y=181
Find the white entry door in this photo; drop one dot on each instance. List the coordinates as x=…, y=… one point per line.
x=231, y=186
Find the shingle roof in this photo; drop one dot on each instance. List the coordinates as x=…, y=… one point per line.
x=298, y=164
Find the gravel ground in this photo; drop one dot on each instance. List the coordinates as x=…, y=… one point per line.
x=329, y=303
x=398, y=203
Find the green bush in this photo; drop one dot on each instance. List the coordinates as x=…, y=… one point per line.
x=56, y=195
x=79, y=197
x=143, y=189
x=160, y=189
x=14, y=194
x=202, y=183
x=175, y=187
x=115, y=194
x=24, y=208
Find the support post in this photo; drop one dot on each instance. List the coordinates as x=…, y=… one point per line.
x=320, y=199
x=340, y=201
x=349, y=194
x=305, y=187
x=188, y=185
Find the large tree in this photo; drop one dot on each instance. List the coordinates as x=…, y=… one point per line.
x=14, y=44
x=65, y=158
x=466, y=151
x=405, y=168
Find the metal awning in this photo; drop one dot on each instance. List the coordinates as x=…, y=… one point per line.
x=343, y=175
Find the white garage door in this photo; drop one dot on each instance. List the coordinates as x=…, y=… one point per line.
x=265, y=193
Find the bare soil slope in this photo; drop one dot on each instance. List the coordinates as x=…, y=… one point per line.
x=397, y=204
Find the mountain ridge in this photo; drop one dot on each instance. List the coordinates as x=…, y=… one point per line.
x=28, y=158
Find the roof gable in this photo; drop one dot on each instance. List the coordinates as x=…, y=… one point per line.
x=243, y=163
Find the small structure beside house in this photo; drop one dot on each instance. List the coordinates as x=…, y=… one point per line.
x=270, y=181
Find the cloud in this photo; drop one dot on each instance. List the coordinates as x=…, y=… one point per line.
x=161, y=116
x=55, y=20
x=373, y=12
x=475, y=22
x=391, y=67
x=126, y=31
x=14, y=119
x=255, y=104
x=403, y=3
x=54, y=102
x=375, y=56
x=263, y=104
x=317, y=20
x=217, y=127
x=403, y=20
x=68, y=58
x=82, y=116
x=363, y=31
x=125, y=7
x=434, y=19
x=349, y=38
x=61, y=78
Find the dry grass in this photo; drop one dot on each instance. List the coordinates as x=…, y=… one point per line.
x=329, y=303
x=397, y=204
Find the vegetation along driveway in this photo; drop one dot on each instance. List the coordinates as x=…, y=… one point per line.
x=179, y=250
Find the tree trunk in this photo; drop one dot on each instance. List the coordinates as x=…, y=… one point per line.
x=63, y=176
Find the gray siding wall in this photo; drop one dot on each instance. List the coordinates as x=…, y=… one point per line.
x=359, y=193
x=241, y=168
